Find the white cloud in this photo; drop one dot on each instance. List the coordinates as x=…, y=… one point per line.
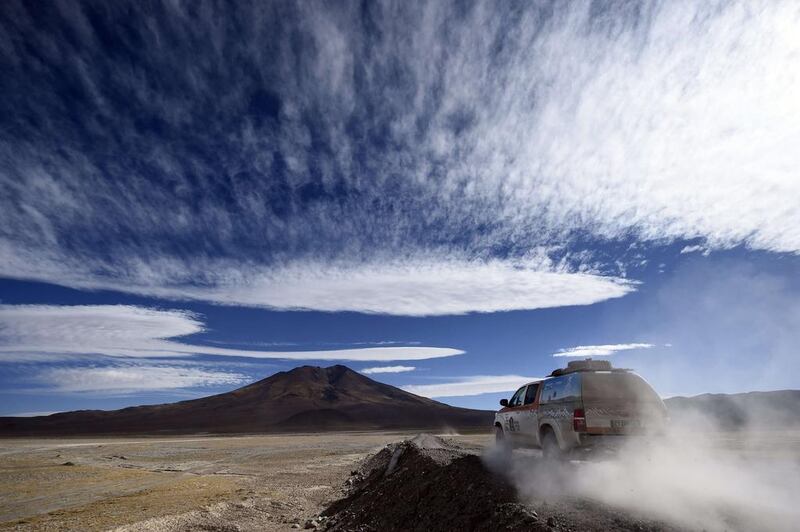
x=129, y=331
x=413, y=287
x=128, y=379
x=599, y=350
x=387, y=369
x=691, y=249
x=654, y=125
x=476, y=385
x=421, y=288
x=676, y=120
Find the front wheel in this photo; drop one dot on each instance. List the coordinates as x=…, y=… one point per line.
x=499, y=435
x=501, y=442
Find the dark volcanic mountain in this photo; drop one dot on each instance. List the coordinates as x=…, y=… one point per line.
x=303, y=399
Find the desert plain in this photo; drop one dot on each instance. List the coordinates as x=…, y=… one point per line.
x=280, y=482
x=263, y=482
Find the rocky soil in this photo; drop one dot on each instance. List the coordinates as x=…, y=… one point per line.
x=364, y=481
x=430, y=483
x=248, y=483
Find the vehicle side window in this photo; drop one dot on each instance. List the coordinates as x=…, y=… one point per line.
x=566, y=387
x=516, y=400
x=530, y=395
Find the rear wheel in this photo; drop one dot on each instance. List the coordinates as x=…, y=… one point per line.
x=550, y=448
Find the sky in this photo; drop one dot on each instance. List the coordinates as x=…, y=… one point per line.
x=450, y=197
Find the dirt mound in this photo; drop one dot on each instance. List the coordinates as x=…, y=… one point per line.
x=428, y=483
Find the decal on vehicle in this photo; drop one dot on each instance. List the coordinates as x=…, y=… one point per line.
x=512, y=425
x=595, y=411
x=557, y=414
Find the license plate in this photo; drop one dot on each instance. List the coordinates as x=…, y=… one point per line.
x=625, y=423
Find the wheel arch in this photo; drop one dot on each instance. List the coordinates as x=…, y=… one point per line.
x=546, y=427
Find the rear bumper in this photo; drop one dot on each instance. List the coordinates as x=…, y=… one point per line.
x=591, y=445
x=603, y=440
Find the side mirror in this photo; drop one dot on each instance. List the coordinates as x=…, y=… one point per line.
x=503, y=402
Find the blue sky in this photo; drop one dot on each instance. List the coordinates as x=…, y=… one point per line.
x=196, y=196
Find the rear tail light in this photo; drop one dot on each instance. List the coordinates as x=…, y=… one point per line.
x=579, y=420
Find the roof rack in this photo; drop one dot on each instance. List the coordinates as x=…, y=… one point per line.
x=585, y=365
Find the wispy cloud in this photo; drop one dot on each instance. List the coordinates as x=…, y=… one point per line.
x=476, y=385
x=599, y=350
x=387, y=369
x=420, y=288
x=391, y=148
x=129, y=331
x=414, y=287
x=694, y=248
x=134, y=378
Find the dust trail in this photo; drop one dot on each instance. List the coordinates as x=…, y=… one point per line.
x=693, y=477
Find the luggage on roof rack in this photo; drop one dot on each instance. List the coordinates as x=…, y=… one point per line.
x=584, y=365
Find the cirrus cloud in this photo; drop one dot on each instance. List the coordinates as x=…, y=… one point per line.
x=345, y=171
x=412, y=287
x=599, y=350
x=129, y=331
x=387, y=369
x=134, y=379
x=473, y=385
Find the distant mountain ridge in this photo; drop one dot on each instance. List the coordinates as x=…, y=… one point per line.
x=777, y=409
x=314, y=399
x=305, y=399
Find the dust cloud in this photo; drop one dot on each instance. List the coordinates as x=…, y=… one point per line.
x=693, y=476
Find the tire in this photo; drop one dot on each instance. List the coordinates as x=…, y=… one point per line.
x=501, y=442
x=550, y=449
x=499, y=435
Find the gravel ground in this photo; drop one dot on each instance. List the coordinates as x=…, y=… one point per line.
x=283, y=482
x=431, y=484
x=267, y=482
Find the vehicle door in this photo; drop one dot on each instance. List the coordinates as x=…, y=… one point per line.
x=511, y=413
x=558, y=400
x=528, y=415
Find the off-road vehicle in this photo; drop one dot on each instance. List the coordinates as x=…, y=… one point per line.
x=584, y=407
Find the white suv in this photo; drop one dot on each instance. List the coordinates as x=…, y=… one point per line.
x=586, y=406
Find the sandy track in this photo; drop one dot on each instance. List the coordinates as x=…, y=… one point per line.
x=257, y=482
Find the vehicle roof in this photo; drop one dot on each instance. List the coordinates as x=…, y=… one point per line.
x=586, y=365
x=597, y=371
x=582, y=366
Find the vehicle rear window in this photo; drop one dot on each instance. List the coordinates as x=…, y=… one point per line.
x=567, y=387
x=626, y=386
